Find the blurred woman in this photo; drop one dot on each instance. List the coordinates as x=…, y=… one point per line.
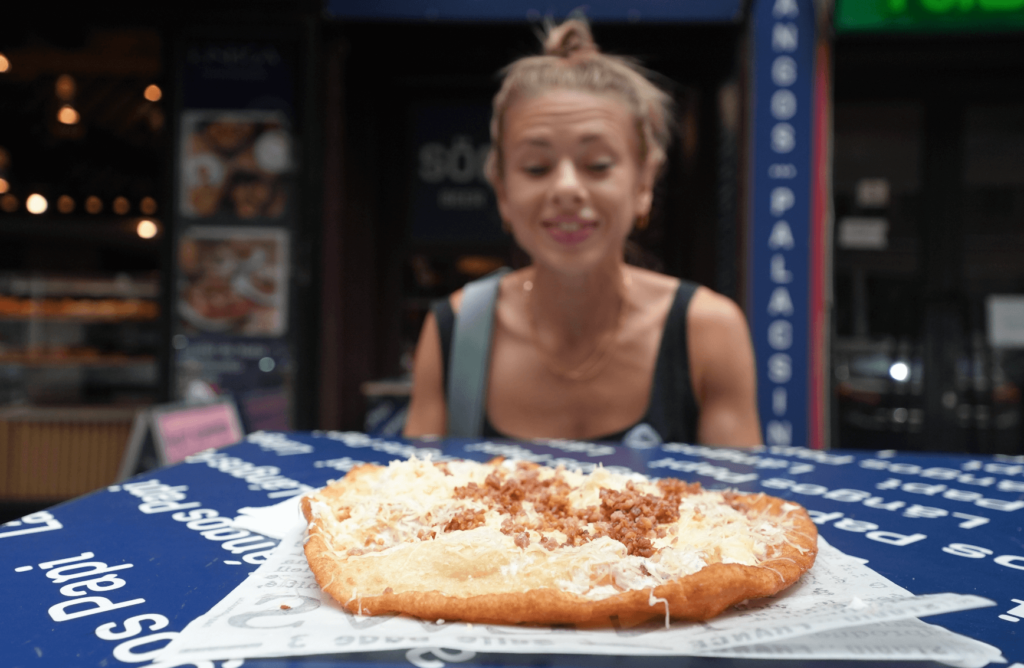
x=578, y=345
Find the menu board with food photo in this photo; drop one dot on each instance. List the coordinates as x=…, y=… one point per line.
x=233, y=280
x=235, y=165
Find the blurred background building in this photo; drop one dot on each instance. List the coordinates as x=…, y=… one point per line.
x=261, y=199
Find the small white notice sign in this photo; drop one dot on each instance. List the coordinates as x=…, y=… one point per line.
x=1005, y=315
x=863, y=233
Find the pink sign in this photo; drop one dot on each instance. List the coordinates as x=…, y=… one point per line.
x=193, y=430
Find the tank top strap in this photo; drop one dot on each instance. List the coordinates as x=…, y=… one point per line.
x=445, y=318
x=673, y=410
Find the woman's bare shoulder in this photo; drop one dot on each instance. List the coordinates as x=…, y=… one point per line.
x=513, y=278
x=710, y=309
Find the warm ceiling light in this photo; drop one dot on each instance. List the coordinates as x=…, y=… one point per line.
x=65, y=204
x=4, y=186
x=146, y=229
x=93, y=204
x=121, y=205
x=5, y=64
x=65, y=87
x=153, y=93
x=68, y=115
x=147, y=206
x=36, y=203
x=9, y=203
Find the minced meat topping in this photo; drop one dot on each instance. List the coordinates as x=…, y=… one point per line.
x=629, y=516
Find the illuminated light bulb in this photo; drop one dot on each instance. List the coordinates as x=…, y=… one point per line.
x=9, y=203
x=4, y=186
x=5, y=64
x=65, y=204
x=146, y=229
x=68, y=115
x=899, y=371
x=147, y=206
x=36, y=204
x=93, y=204
x=65, y=87
x=153, y=93
x=121, y=205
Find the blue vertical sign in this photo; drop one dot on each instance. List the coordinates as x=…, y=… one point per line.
x=780, y=225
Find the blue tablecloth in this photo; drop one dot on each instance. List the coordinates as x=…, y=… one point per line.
x=931, y=523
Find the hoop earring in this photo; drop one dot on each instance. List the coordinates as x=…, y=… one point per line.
x=642, y=222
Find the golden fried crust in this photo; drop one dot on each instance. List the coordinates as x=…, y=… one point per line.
x=699, y=596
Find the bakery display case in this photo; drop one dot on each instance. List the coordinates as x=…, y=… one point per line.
x=77, y=340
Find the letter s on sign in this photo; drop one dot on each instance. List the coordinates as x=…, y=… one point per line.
x=965, y=550
x=242, y=621
x=132, y=627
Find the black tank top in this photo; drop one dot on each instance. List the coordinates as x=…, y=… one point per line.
x=672, y=411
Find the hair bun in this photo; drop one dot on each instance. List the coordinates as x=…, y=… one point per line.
x=570, y=38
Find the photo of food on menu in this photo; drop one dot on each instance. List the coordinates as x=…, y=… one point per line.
x=234, y=280
x=235, y=164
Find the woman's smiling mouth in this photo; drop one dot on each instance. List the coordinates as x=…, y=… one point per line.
x=569, y=230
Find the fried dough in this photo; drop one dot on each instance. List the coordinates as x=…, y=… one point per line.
x=511, y=543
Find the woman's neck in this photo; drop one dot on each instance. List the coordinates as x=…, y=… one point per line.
x=572, y=310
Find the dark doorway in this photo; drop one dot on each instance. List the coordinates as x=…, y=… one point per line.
x=929, y=244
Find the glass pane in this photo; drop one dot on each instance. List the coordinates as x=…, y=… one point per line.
x=878, y=286
x=993, y=209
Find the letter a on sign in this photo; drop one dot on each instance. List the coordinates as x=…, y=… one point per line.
x=781, y=236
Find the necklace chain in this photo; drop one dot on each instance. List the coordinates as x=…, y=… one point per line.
x=596, y=360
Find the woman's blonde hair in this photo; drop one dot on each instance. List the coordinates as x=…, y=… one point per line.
x=572, y=61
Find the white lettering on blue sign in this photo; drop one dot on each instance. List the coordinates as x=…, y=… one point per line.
x=783, y=138
x=784, y=71
x=779, y=399
x=781, y=200
x=781, y=236
x=779, y=273
x=780, y=303
x=785, y=9
x=783, y=170
x=779, y=432
x=784, y=37
x=780, y=370
x=783, y=107
x=780, y=334
x=783, y=104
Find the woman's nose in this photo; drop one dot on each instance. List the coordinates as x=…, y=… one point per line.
x=568, y=189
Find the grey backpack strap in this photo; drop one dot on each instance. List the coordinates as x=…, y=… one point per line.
x=470, y=357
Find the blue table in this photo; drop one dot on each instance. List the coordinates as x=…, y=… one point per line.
x=930, y=523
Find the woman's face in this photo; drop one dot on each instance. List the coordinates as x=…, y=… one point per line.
x=573, y=184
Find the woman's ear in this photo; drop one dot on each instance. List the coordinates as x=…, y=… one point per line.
x=645, y=184
x=499, y=196
x=495, y=178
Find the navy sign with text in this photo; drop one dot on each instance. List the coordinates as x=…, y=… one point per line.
x=451, y=200
x=781, y=226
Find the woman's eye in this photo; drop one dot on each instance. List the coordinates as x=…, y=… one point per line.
x=602, y=166
x=536, y=170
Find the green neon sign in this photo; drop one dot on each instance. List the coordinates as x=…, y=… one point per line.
x=929, y=16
